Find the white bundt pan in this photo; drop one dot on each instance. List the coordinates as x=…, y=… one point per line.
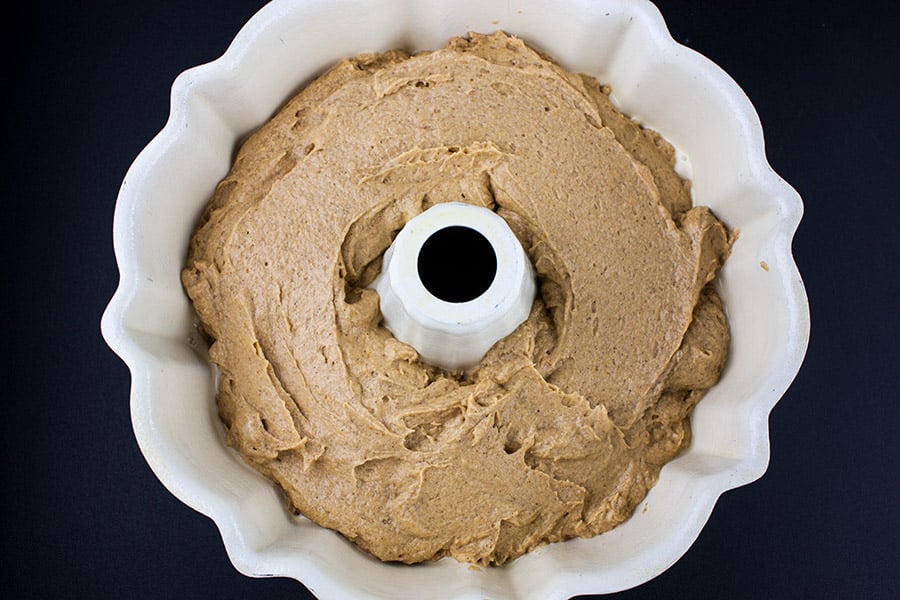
x=149, y=322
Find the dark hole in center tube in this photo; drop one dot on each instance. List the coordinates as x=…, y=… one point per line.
x=457, y=264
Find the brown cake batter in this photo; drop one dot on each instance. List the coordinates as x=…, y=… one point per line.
x=563, y=427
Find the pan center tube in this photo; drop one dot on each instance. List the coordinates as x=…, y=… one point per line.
x=454, y=282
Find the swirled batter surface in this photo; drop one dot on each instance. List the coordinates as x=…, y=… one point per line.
x=563, y=427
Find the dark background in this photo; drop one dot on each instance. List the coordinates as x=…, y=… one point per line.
x=88, y=84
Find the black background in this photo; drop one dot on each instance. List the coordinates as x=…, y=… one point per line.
x=87, y=86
